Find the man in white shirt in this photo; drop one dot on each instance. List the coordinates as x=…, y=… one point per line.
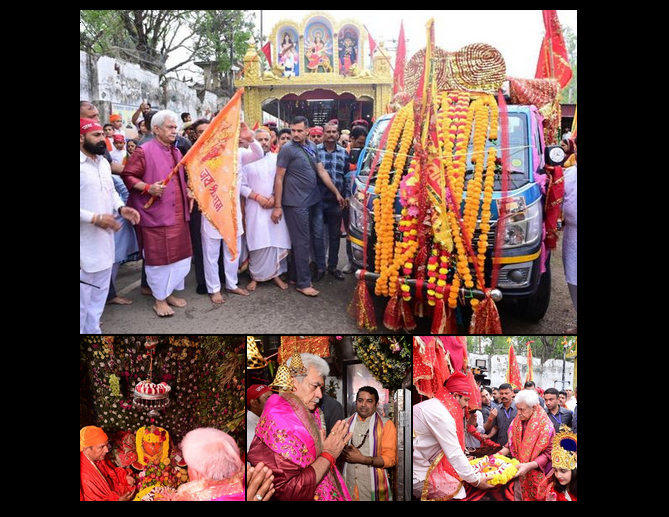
x=256, y=396
x=435, y=431
x=98, y=205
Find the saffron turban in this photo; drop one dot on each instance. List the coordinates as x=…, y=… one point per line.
x=458, y=383
x=90, y=436
x=115, y=117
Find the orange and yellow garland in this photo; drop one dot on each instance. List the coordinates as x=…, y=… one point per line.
x=460, y=117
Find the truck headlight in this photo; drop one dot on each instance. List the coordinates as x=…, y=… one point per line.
x=523, y=223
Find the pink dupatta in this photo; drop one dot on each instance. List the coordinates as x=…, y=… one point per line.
x=289, y=429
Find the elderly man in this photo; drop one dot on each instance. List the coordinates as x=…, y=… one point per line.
x=269, y=244
x=372, y=450
x=164, y=236
x=99, y=479
x=98, y=206
x=530, y=437
x=290, y=440
x=215, y=467
x=439, y=441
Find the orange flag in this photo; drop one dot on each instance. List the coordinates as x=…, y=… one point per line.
x=530, y=371
x=212, y=171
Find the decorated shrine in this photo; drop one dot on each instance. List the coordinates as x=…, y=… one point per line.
x=144, y=394
x=318, y=71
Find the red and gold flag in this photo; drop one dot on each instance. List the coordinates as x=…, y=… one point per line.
x=513, y=372
x=212, y=171
x=553, y=58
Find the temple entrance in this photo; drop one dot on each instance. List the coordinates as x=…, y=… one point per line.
x=319, y=106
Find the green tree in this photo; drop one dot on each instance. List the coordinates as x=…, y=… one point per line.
x=544, y=347
x=569, y=93
x=146, y=37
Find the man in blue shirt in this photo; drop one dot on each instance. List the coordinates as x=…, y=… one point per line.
x=335, y=161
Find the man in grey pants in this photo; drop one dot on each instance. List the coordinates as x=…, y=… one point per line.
x=296, y=196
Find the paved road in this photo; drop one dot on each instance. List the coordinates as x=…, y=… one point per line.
x=271, y=311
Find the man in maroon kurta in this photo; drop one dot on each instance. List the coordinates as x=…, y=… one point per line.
x=163, y=236
x=99, y=479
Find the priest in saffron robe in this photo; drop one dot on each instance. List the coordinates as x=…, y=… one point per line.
x=530, y=442
x=290, y=439
x=99, y=479
x=163, y=235
x=372, y=450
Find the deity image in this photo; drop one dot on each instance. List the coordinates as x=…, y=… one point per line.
x=288, y=52
x=348, y=50
x=318, y=48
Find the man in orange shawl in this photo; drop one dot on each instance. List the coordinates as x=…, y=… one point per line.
x=99, y=479
x=530, y=442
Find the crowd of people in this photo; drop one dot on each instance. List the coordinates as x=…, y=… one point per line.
x=293, y=190
x=529, y=424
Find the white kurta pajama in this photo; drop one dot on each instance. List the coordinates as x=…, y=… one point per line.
x=212, y=239
x=268, y=243
x=97, y=195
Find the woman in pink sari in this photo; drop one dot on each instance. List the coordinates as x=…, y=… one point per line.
x=290, y=440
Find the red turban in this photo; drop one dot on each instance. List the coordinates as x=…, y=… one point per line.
x=118, y=138
x=316, y=130
x=256, y=391
x=87, y=125
x=458, y=383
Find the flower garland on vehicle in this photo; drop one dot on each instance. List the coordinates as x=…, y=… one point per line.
x=389, y=256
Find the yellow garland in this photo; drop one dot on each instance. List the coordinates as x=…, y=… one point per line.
x=502, y=478
x=384, y=204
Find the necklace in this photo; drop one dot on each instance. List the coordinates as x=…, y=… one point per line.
x=364, y=439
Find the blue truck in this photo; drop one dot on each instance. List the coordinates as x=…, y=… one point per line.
x=520, y=276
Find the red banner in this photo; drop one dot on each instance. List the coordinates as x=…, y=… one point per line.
x=553, y=57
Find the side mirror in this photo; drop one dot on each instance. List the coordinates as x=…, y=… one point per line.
x=554, y=155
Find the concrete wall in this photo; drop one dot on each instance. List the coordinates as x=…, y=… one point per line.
x=546, y=375
x=116, y=86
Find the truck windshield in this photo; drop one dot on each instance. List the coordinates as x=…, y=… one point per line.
x=519, y=153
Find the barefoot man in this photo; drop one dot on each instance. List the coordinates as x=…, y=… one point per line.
x=163, y=234
x=269, y=243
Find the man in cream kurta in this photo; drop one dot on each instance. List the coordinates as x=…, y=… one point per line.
x=268, y=243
